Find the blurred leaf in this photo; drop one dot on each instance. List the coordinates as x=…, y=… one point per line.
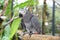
x=1, y=4
x=21, y=5
x=1, y=1
x=9, y=32
x=5, y=38
x=32, y=2
x=6, y=32
x=14, y=27
x=8, y=9
x=26, y=3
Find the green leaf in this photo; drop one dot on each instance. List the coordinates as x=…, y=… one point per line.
x=21, y=5
x=8, y=9
x=6, y=32
x=14, y=27
x=26, y=3
x=5, y=38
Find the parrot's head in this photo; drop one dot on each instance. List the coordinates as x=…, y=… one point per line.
x=22, y=12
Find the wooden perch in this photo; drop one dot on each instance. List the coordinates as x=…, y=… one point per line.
x=40, y=37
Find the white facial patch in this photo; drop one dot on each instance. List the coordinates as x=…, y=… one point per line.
x=22, y=11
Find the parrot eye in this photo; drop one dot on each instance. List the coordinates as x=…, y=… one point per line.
x=20, y=15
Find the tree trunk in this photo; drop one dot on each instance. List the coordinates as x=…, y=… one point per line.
x=44, y=18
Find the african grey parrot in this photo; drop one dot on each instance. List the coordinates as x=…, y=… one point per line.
x=31, y=22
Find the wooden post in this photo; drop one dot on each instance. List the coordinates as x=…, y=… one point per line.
x=44, y=18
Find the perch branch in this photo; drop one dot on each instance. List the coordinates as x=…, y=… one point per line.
x=10, y=21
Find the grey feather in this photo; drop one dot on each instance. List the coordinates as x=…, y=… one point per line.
x=35, y=24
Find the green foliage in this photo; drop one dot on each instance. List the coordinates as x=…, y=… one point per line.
x=8, y=9
x=1, y=1
x=22, y=5
x=33, y=2
x=14, y=27
x=57, y=30
x=26, y=3
x=6, y=33
x=9, y=32
x=1, y=4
